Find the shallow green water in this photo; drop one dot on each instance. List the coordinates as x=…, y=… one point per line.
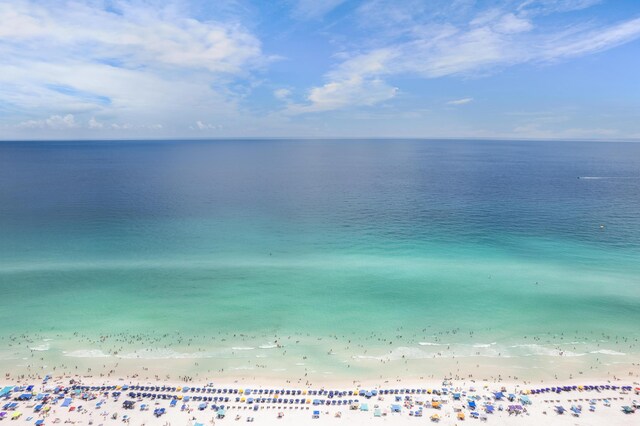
x=392, y=244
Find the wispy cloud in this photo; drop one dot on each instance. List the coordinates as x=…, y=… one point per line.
x=555, y=6
x=133, y=60
x=298, y=67
x=313, y=9
x=482, y=43
x=282, y=93
x=460, y=101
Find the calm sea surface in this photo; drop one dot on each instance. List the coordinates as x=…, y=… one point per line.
x=395, y=243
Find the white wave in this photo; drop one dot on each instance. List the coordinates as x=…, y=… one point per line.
x=368, y=357
x=484, y=345
x=268, y=346
x=87, y=353
x=42, y=347
x=607, y=352
x=242, y=368
x=539, y=350
x=242, y=348
x=429, y=344
x=401, y=352
x=163, y=354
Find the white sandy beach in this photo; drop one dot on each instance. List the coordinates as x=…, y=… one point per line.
x=521, y=404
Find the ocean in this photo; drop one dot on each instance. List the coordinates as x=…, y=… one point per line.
x=329, y=258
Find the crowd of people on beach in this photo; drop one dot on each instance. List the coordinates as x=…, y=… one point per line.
x=71, y=400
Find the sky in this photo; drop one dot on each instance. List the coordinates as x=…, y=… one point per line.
x=121, y=69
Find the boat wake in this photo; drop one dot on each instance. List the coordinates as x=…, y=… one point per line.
x=607, y=177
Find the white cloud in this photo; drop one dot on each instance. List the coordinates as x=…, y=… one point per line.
x=55, y=122
x=282, y=94
x=460, y=101
x=555, y=6
x=353, y=91
x=148, y=63
x=207, y=126
x=136, y=36
x=592, y=41
x=95, y=124
x=482, y=43
x=351, y=84
x=511, y=24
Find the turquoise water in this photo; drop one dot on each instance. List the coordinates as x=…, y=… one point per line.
x=378, y=248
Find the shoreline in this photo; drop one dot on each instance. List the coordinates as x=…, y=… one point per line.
x=317, y=359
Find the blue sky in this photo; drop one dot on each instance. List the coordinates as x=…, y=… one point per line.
x=320, y=68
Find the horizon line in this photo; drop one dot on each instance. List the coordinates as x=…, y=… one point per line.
x=316, y=138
